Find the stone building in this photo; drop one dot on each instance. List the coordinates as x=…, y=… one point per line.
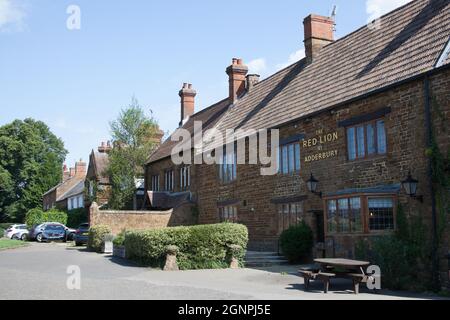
x=355, y=117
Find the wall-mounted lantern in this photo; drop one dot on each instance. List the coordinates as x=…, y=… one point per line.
x=312, y=186
x=410, y=187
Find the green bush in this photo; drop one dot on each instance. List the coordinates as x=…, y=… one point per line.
x=404, y=258
x=37, y=216
x=119, y=240
x=77, y=217
x=297, y=242
x=97, y=236
x=200, y=247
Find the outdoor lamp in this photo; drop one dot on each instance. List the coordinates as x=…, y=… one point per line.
x=410, y=186
x=312, y=185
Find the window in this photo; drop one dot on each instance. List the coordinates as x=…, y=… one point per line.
x=347, y=215
x=227, y=169
x=289, y=214
x=168, y=181
x=81, y=202
x=366, y=140
x=381, y=214
x=289, y=159
x=185, y=177
x=155, y=183
x=228, y=214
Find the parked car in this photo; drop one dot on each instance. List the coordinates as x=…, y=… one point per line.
x=82, y=234
x=70, y=234
x=21, y=235
x=48, y=231
x=15, y=228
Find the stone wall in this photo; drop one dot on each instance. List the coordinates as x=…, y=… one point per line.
x=140, y=220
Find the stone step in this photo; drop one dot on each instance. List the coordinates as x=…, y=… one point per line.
x=254, y=259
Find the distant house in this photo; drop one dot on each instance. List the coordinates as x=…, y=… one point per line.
x=69, y=193
x=97, y=183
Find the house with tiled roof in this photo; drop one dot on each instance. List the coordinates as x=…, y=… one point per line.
x=356, y=119
x=69, y=193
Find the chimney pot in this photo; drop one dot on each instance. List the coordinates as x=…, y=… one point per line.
x=236, y=74
x=319, y=31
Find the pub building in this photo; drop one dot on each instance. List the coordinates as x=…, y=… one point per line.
x=355, y=118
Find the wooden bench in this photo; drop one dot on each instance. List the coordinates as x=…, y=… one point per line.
x=357, y=278
x=309, y=274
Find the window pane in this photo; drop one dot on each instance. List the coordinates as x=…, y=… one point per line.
x=297, y=157
x=355, y=207
x=344, y=216
x=361, y=142
x=370, y=139
x=381, y=214
x=381, y=137
x=284, y=159
x=331, y=216
x=351, y=143
x=291, y=158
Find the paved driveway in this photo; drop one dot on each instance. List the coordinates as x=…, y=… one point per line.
x=40, y=272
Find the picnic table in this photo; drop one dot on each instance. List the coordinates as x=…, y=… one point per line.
x=326, y=269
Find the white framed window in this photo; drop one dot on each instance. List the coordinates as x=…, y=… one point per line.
x=155, y=183
x=169, y=180
x=289, y=158
x=185, y=177
x=228, y=167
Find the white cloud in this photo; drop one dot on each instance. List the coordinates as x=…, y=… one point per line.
x=257, y=66
x=293, y=57
x=12, y=15
x=377, y=8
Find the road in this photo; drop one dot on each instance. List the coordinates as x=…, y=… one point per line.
x=39, y=271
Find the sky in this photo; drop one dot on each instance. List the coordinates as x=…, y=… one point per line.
x=75, y=64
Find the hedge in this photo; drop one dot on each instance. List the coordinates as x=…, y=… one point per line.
x=200, y=247
x=77, y=217
x=97, y=237
x=37, y=216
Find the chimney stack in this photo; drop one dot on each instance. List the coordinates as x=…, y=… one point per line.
x=72, y=173
x=66, y=173
x=236, y=73
x=80, y=168
x=252, y=80
x=187, y=95
x=105, y=147
x=319, y=31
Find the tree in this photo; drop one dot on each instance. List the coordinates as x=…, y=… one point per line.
x=134, y=137
x=31, y=158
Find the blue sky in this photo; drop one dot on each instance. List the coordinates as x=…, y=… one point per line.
x=77, y=81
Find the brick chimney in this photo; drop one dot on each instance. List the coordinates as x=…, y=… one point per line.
x=80, y=168
x=252, y=80
x=187, y=95
x=66, y=173
x=236, y=73
x=105, y=147
x=319, y=31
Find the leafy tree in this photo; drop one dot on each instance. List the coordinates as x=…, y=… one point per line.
x=31, y=157
x=134, y=136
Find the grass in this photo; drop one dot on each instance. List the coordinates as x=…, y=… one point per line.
x=11, y=244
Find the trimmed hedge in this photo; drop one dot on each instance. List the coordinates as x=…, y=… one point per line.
x=200, y=247
x=77, y=217
x=37, y=216
x=97, y=237
x=297, y=242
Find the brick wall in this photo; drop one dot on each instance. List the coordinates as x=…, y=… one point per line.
x=140, y=220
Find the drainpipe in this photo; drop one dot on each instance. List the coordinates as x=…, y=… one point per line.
x=435, y=244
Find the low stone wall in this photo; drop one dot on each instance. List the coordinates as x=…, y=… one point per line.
x=139, y=220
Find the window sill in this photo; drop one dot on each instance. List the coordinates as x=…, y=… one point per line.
x=367, y=159
x=360, y=234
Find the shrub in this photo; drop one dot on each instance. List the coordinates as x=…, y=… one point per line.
x=200, y=247
x=119, y=240
x=404, y=258
x=97, y=236
x=37, y=216
x=77, y=217
x=297, y=242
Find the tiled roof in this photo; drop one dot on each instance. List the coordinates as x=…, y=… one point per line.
x=77, y=189
x=167, y=200
x=208, y=117
x=101, y=161
x=407, y=44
